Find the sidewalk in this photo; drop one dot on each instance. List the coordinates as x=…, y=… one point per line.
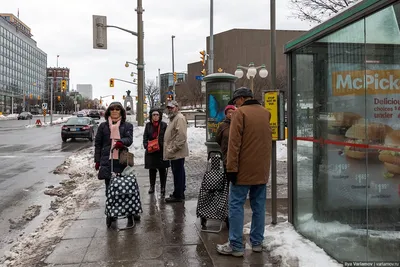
x=167, y=235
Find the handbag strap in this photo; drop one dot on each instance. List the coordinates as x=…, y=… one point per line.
x=159, y=126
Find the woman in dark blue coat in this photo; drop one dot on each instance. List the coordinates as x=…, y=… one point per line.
x=154, y=161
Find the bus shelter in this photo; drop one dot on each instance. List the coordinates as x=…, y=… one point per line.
x=344, y=133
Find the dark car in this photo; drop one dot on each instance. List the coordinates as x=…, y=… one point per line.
x=94, y=114
x=79, y=127
x=25, y=116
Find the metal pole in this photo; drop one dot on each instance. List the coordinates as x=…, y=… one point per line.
x=211, y=52
x=140, y=65
x=51, y=101
x=173, y=67
x=23, y=106
x=12, y=104
x=159, y=86
x=273, y=82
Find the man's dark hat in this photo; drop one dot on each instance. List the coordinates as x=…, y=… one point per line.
x=241, y=92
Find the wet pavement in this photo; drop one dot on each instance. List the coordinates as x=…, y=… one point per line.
x=27, y=158
x=167, y=235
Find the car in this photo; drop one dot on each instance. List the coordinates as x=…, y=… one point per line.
x=79, y=127
x=94, y=114
x=81, y=114
x=25, y=116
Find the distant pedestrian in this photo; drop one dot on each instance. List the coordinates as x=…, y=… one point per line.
x=176, y=150
x=153, y=159
x=248, y=165
x=114, y=132
x=222, y=136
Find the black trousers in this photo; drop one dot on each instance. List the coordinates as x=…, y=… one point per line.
x=178, y=170
x=153, y=177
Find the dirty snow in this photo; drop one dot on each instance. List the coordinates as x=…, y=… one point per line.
x=79, y=183
x=289, y=248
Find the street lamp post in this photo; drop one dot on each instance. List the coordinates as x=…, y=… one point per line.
x=251, y=73
x=173, y=66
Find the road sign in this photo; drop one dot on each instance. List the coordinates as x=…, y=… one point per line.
x=44, y=105
x=62, y=104
x=200, y=78
x=170, y=93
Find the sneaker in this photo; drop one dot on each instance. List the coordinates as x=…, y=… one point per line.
x=226, y=249
x=258, y=248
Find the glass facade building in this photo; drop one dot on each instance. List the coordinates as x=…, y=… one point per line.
x=344, y=133
x=22, y=66
x=167, y=80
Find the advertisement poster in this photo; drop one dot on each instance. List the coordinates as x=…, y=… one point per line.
x=271, y=104
x=216, y=102
x=362, y=152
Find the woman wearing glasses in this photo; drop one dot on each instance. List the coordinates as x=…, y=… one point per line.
x=153, y=160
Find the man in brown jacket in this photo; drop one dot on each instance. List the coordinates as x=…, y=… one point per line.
x=248, y=164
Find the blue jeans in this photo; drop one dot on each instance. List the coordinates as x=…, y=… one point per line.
x=237, y=198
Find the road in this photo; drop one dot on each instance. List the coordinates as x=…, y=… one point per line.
x=27, y=158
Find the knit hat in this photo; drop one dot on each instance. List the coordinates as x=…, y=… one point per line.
x=241, y=92
x=228, y=107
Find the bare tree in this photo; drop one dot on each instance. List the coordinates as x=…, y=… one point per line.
x=317, y=11
x=151, y=91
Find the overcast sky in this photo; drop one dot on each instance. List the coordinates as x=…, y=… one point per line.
x=65, y=28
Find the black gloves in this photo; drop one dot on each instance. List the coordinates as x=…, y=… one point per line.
x=232, y=177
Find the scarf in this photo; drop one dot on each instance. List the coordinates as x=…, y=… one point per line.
x=114, y=136
x=155, y=129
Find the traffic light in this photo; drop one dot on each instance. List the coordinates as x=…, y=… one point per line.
x=101, y=101
x=112, y=97
x=59, y=98
x=111, y=82
x=30, y=96
x=63, y=85
x=203, y=57
x=174, y=76
x=38, y=97
x=123, y=97
x=203, y=72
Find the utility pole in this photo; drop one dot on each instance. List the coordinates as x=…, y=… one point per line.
x=211, y=52
x=159, y=86
x=51, y=101
x=140, y=65
x=173, y=67
x=273, y=83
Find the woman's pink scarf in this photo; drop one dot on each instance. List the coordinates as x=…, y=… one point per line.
x=114, y=136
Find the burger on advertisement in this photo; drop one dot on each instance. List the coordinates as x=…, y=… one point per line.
x=340, y=124
x=391, y=157
x=362, y=134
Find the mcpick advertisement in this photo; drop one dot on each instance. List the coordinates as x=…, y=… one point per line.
x=362, y=157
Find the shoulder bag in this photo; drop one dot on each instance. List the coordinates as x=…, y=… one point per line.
x=153, y=145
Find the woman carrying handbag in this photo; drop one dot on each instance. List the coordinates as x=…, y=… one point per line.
x=153, y=141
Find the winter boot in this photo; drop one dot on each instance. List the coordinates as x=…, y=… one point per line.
x=163, y=180
x=130, y=223
x=152, y=180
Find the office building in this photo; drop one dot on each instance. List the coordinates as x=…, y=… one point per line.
x=22, y=66
x=167, y=81
x=86, y=90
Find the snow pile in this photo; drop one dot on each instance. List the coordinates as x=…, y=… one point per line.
x=291, y=249
x=8, y=117
x=307, y=224
x=74, y=191
x=196, y=140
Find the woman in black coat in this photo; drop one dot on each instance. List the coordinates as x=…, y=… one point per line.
x=114, y=132
x=153, y=161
